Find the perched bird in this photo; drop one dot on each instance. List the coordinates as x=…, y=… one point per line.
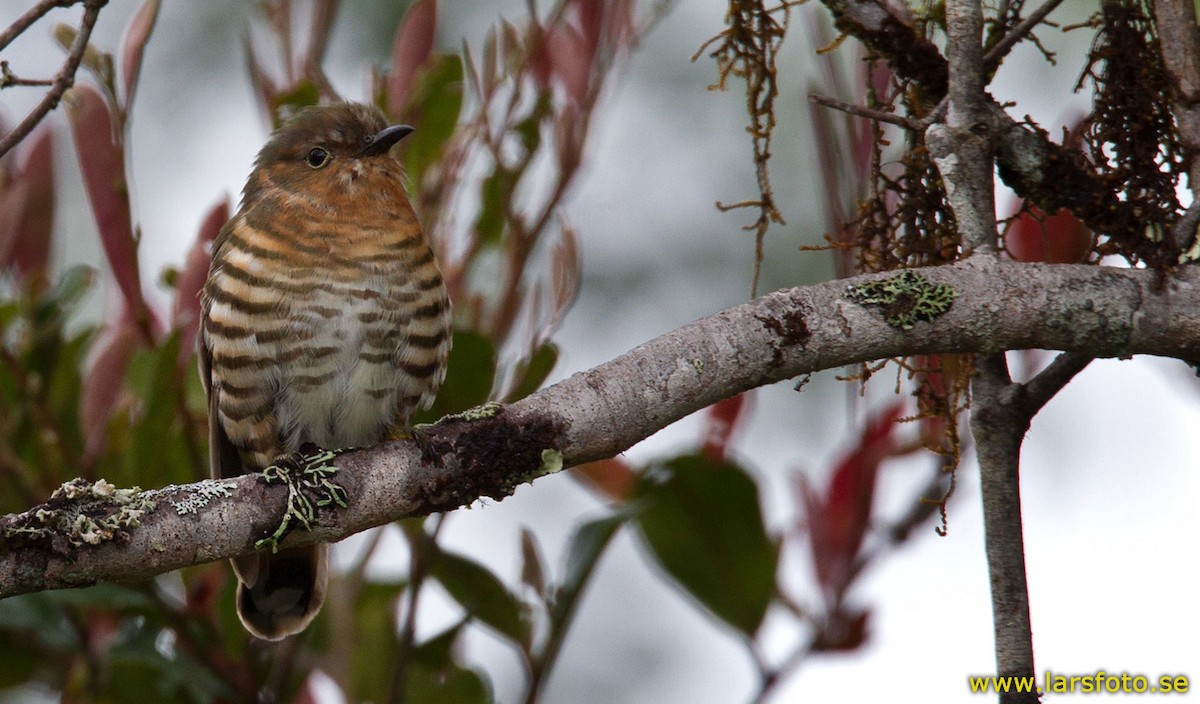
x=325, y=321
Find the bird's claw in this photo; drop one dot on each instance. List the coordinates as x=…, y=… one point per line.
x=308, y=475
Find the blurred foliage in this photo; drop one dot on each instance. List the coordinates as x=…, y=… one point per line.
x=501, y=134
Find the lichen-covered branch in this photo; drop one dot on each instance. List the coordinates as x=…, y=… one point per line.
x=978, y=305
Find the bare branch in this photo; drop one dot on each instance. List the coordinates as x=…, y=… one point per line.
x=599, y=413
x=876, y=115
x=992, y=59
x=1038, y=391
x=31, y=15
x=961, y=147
x=65, y=77
x=962, y=150
x=8, y=78
x=1049, y=174
x=1179, y=40
x=999, y=426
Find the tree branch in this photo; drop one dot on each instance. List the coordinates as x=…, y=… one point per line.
x=999, y=426
x=1100, y=311
x=1179, y=44
x=1037, y=392
x=1049, y=174
x=64, y=79
x=992, y=59
x=25, y=21
x=961, y=146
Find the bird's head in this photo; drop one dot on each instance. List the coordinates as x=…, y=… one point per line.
x=327, y=153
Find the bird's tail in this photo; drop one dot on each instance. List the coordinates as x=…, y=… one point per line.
x=279, y=594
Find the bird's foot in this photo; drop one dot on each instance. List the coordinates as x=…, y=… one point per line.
x=308, y=475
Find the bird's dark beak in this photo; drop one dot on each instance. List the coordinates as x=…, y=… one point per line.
x=384, y=139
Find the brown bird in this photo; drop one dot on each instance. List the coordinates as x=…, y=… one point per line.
x=325, y=321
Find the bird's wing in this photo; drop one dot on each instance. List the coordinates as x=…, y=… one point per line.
x=224, y=459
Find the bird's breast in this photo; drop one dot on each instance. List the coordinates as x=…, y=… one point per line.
x=337, y=352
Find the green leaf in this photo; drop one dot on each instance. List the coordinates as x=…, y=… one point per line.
x=534, y=372
x=376, y=646
x=704, y=526
x=481, y=593
x=140, y=671
x=300, y=95
x=72, y=285
x=529, y=130
x=440, y=97
x=438, y=651
x=434, y=674
x=451, y=683
x=156, y=452
x=583, y=553
x=469, y=376
x=495, y=192
x=41, y=619
x=21, y=662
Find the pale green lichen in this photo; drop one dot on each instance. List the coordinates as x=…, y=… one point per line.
x=488, y=410
x=552, y=461
x=905, y=298
x=202, y=493
x=81, y=513
x=698, y=365
x=310, y=485
x=491, y=409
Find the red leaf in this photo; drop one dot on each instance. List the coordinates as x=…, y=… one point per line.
x=411, y=48
x=31, y=245
x=613, y=477
x=13, y=195
x=720, y=421
x=102, y=161
x=838, y=521
x=1056, y=239
x=203, y=590
x=133, y=46
x=185, y=315
x=27, y=211
x=262, y=82
x=103, y=380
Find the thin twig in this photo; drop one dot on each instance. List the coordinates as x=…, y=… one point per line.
x=868, y=113
x=773, y=677
x=62, y=81
x=8, y=78
x=1038, y=391
x=997, y=53
x=31, y=15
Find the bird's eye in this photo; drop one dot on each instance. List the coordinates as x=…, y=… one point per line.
x=317, y=157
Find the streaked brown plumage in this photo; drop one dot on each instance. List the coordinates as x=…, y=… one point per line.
x=325, y=321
